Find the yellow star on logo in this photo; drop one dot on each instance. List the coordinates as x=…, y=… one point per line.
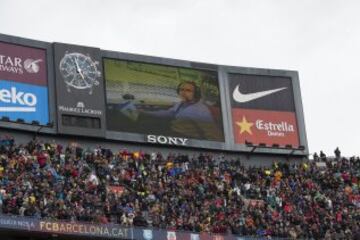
x=245, y=126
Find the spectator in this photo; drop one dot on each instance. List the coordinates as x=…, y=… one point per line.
x=179, y=192
x=337, y=153
x=322, y=155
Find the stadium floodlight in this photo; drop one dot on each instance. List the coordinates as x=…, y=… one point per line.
x=301, y=147
x=249, y=144
x=34, y=122
x=5, y=119
x=20, y=120
x=262, y=145
x=275, y=145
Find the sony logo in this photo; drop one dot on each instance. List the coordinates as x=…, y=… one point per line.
x=167, y=140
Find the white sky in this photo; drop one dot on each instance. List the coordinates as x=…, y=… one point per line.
x=318, y=38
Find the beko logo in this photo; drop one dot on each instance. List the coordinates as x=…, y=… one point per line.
x=243, y=98
x=17, y=65
x=27, y=101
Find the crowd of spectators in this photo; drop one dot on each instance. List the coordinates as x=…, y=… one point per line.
x=202, y=193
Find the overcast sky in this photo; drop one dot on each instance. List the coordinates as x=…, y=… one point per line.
x=318, y=38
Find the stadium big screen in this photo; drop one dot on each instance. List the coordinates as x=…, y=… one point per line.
x=163, y=100
x=87, y=91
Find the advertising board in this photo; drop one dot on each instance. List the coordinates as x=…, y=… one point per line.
x=80, y=90
x=146, y=99
x=23, y=83
x=76, y=229
x=263, y=110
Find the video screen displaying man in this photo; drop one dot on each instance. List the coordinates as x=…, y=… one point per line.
x=162, y=100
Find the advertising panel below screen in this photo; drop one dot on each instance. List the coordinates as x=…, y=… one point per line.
x=32, y=226
x=269, y=127
x=24, y=101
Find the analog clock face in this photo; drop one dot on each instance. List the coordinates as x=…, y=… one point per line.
x=79, y=71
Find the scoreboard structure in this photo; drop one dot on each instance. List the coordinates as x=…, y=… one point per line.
x=65, y=89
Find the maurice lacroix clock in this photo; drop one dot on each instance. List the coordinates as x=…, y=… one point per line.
x=79, y=71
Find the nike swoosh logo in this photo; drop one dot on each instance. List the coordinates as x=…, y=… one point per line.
x=243, y=98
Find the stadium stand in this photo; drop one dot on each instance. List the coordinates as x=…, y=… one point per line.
x=313, y=199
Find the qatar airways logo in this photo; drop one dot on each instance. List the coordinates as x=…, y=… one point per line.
x=20, y=101
x=16, y=65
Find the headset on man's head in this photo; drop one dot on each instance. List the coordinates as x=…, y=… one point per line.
x=197, y=91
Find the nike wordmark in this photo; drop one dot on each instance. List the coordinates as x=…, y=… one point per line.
x=243, y=98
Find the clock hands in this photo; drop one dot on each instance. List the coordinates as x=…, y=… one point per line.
x=78, y=69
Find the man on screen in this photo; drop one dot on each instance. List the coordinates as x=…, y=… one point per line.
x=190, y=116
x=190, y=106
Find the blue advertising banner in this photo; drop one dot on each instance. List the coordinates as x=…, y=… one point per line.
x=108, y=231
x=26, y=101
